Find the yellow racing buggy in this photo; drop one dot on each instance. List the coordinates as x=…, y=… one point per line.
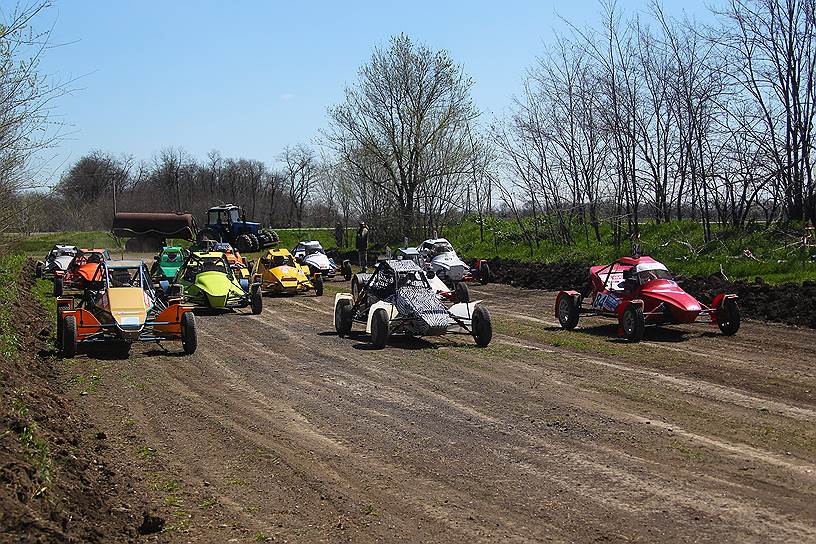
x=279, y=273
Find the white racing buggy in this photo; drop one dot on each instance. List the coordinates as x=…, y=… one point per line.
x=439, y=256
x=57, y=261
x=311, y=253
x=397, y=299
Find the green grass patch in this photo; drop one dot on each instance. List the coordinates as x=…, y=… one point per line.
x=10, y=267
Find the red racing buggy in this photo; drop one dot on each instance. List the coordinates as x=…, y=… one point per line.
x=640, y=292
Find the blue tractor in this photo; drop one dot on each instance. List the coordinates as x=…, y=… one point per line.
x=227, y=223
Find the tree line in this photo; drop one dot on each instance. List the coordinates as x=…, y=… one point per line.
x=641, y=117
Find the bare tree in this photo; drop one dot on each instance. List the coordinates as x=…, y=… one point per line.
x=409, y=104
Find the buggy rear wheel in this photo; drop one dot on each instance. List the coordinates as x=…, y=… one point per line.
x=189, y=337
x=461, y=292
x=728, y=317
x=379, y=328
x=58, y=287
x=69, y=336
x=567, y=312
x=633, y=323
x=484, y=273
x=38, y=270
x=318, y=284
x=342, y=317
x=481, y=326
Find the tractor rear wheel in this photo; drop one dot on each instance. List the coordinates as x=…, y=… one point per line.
x=567, y=312
x=189, y=337
x=243, y=243
x=69, y=336
x=484, y=273
x=342, y=317
x=256, y=301
x=379, y=328
x=461, y=292
x=318, y=284
x=481, y=326
x=728, y=317
x=633, y=323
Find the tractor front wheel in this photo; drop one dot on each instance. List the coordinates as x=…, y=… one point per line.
x=69, y=337
x=728, y=317
x=379, y=328
x=256, y=243
x=633, y=323
x=189, y=337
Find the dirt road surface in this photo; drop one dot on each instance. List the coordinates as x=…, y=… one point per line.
x=278, y=430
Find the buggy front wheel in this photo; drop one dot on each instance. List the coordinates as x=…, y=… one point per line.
x=256, y=301
x=461, y=292
x=318, y=284
x=633, y=323
x=58, y=287
x=189, y=338
x=481, y=326
x=69, y=336
x=728, y=317
x=379, y=328
x=342, y=317
x=567, y=312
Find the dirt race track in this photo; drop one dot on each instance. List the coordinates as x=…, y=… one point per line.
x=276, y=429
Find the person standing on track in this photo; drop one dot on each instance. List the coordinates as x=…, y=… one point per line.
x=362, y=244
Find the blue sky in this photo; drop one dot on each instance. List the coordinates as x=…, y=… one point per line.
x=248, y=78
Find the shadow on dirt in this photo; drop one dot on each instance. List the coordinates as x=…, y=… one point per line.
x=610, y=332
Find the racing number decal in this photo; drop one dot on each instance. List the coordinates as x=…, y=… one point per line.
x=606, y=301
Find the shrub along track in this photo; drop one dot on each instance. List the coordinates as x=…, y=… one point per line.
x=277, y=428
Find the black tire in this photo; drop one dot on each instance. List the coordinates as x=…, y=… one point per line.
x=567, y=312
x=58, y=287
x=481, y=326
x=379, y=328
x=347, y=273
x=256, y=301
x=355, y=288
x=633, y=323
x=122, y=350
x=256, y=243
x=318, y=284
x=243, y=243
x=484, y=273
x=189, y=336
x=69, y=337
x=38, y=270
x=728, y=317
x=461, y=292
x=342, y=317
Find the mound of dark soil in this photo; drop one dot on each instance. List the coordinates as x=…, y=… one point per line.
x=788, y=303
x=553, y=276
x=55, y=482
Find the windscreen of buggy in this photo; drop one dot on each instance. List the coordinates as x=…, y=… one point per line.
x=645, y=276
x=125, y=277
